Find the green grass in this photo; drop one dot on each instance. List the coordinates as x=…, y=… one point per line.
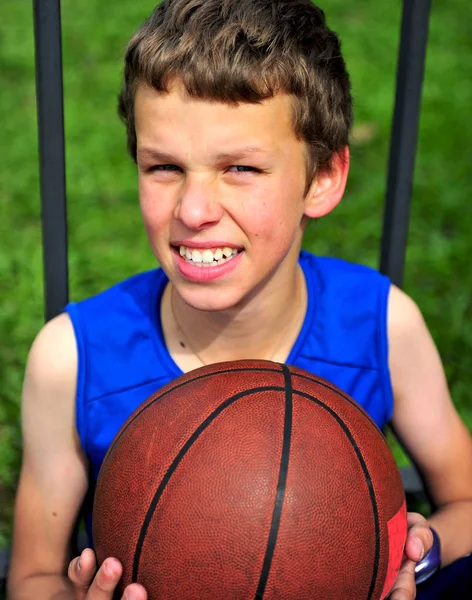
x=107, y=242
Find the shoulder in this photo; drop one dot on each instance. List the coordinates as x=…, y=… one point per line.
x=345, y=286
x=346, y=320
x=412, y=352
x=403, y=312
x=137, y=286
x=336, y=265
x=51, y=371
x=53, y=353
x=342, y=274
x=133, y=296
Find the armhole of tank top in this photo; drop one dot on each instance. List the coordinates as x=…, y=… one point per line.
x=80, y=412
x=384, y=349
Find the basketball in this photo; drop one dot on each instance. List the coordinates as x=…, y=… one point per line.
x=251, y=479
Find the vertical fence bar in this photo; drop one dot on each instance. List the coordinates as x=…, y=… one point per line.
x=48, y=51
x=410, y=75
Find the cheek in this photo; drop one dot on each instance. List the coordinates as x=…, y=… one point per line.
x=153, y=206
x=276, y=214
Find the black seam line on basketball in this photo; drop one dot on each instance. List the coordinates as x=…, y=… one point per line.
x=178, y=459
x=343, y=394
x=281, y=486
x=178, y=386
x=368, y=479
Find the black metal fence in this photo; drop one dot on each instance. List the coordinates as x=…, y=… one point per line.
x=47, y=25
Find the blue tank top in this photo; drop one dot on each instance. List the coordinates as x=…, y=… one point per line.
x=123, y=358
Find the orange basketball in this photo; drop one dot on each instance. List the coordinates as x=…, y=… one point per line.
x=251, y=480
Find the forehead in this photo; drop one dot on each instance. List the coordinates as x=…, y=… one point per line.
x=174, y=115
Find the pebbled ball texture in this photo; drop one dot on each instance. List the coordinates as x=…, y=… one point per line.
x=251, y=480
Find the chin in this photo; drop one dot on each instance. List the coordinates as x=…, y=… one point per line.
x=210, y=301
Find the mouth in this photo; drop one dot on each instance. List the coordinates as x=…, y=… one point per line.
x=207, y=257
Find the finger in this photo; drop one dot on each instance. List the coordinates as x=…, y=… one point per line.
x=419, y=542
x=404, y=587
x=81, y=571
x=134, y=592
x=414, y=518
x=106, y=580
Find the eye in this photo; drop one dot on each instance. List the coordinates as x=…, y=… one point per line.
x=244, y=169
x=165, y=168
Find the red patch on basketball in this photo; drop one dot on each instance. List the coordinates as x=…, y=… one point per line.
x=397, y=532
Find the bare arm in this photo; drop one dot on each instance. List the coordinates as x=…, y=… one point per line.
x=428, y=425
x=53, y=483
x=53, y=478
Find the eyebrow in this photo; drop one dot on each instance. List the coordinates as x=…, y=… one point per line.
x=150, y=153
x=241, y=153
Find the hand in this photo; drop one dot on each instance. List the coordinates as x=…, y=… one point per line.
x=100, y=586
x=418, y=543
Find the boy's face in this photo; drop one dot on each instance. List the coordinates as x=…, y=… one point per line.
x=214, y=176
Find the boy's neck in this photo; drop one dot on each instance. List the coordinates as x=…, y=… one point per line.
x=265, y=328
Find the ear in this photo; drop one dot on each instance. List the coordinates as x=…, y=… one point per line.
x=328, y=186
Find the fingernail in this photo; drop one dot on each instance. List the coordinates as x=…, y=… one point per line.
x=79, y=564
x=108, y=570
x=420, y=547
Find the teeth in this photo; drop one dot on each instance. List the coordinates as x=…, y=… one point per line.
x=206, y=257
x=197, y=256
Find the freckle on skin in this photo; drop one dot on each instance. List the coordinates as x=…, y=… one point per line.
x=54, y=514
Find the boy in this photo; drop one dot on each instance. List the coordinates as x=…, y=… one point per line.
x=238, y=115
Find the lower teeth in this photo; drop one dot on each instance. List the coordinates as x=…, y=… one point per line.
x=212, y=264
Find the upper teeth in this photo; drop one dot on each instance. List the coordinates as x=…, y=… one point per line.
x=206, y=255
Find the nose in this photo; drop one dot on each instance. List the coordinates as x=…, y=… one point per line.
x=198, y=206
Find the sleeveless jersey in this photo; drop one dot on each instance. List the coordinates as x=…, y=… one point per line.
x=123, y=359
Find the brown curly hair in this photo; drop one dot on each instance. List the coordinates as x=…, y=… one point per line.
x=246, y=51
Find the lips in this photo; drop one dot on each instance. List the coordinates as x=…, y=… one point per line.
x=205, y=264
x=207, y=257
